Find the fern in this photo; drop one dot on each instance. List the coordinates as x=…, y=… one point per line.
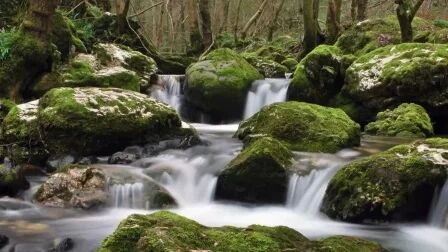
x=7, y=38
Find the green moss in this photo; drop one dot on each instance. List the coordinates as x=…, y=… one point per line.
x=352, y=244
x=290, y=63
x=371, y=34
x=258, y=175
x=11, y=182
x=219, y=83
x=302, y=127
x=318, y=77
x=64, y=35
x=391, y=75
x=266, y=66
x=396, y=185
x=439, y=36
x=165, y=231
x=101, y=120
x=407, y=120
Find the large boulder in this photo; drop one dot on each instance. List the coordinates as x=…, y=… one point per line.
x=219, y=83
x=95, y=121
x=395, y=185
x=12, y=181
x=319, y=76
x=258, y=175
x=401, y=73
x=111, y=65
x=19, y=137
x=302, y=127
x=77, y=187
x=165, y=231
x=407, y=120
x=372, y=34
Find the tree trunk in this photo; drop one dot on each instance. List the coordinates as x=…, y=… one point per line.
x=206, y=23
x=38, y=21
x=362, y=10
x=311, y=26
x=160, y=26
x=333, y=20
x=274, y=21
x=406, y=12
x=195, y=34
x=237, y=21
x=225, y=18
x=353, y=7
x=253, y=19
x=122, y=9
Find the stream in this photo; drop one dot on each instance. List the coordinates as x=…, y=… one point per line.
x=190, y=176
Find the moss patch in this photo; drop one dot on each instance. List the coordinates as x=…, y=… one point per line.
x=396, y=185
x=302, y=127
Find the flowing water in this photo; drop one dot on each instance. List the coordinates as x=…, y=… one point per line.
x=190, y=176
x=169, y=90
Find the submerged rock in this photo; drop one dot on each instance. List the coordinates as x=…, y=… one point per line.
x=401, y=73
x=302, y=127
x=219, y=83
x=78, y=187
x=4, y=240
x=319, y=76
x=258, y=175
x=165, y=231
x=407, y=120
x=395, y=185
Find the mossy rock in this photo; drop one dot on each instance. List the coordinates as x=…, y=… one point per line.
x=395, y=185
x=28, y=58
x=396, y=74
x=258, y=175
x=302, y=127
x=318, y=77
x=269, y=68
x=165, y=231
x=64, y=35
x=20, y=138
x=291, y=64
x=94, y=121
x=372, y=34
x=11, y=182
x=218, y=84
x=439, y=36
x=5, y=106
x=407, y=120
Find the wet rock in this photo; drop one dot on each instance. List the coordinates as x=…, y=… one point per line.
x=395, y=185
x=56, y=162
x=258, y=175
x=135, y=150
x=12, y=182
x=122, y=158
x=88, y=160
x=166, y=231
x=4, y=240
x=78, y=187
x=66, y=244
x=218, y=84
x=302, y=127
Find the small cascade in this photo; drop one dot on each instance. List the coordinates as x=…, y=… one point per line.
x=265, y=92
x=169, y=90
x=128, y=195
x=439, y=212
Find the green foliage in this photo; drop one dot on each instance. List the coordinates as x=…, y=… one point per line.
x=7, y=38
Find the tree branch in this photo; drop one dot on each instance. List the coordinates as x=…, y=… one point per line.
x=145, y=10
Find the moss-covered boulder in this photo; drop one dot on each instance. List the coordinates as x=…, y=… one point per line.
x=12, y=182
x=64, y=36
x=319, y=76
x=302, y=127
x=218, y=84
x=166, y=231
x=20, y=138
x=95, y=121
x=291, y=64
x=110, y=66
x=407, y=120
x=401, y=73
x=267, y=67
x=395, y=185
x=372, y=34
x=77, y=187
x=258, y=175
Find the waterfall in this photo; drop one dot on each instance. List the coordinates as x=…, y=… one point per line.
x=128, y=195
x=265, y=92
x=305, y=193
x=439, y=212
x=169, y=90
